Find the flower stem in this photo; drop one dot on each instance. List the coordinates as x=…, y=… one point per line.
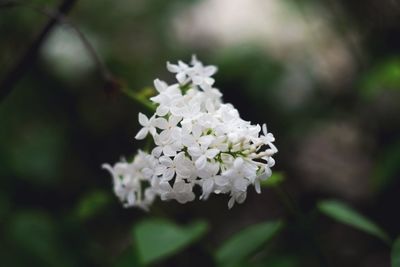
x=139, y=99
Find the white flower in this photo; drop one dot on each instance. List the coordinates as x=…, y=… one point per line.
x=148, y=126
x=181, y=192
x=201, y=75
x=197, y=73
x=180, y=69
x=165, y=144
x=198, y=141
x=169, y=167
x=128, y=180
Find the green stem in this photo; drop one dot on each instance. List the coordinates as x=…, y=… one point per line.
x=141, y=100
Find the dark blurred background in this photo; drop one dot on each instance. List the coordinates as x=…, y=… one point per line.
x=323, y=75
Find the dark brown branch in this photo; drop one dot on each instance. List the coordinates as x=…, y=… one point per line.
x=30, y=55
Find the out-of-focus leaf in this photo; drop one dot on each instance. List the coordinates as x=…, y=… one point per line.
x=4, y=205
x=156, y=239
x=127, y=259
x=35, y=235
x=383, y=77
x=283, y=260
x=386, y=167
x=339, y=211
x=39, y=149
x=275, y=180
x=241, y=245
x=396, y=253
x=92, y=204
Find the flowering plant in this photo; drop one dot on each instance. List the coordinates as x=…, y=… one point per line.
x=198, y=141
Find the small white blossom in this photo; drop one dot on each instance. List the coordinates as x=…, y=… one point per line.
x=198, y=141
x=148, y=126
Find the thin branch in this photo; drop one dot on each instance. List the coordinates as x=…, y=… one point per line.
x=29, y=57
x=111, y=83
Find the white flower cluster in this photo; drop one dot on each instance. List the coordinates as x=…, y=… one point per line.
x=199, y=141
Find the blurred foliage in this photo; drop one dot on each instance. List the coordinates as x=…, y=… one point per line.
x=387, y=167
x=157, y=238
x=275, y=179
x=341, y=212
x=396, y=253
x=338, y=66
x=384, y=76
x=236, y=250
x=92, y=205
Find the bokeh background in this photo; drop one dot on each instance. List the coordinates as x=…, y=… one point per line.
x=324, y=76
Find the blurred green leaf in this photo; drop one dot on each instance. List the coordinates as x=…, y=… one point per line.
x=283, y=261
x=35, y=236
x=275, y=180
x=5, y=205
x=387, y=167
x=273, y=260
x=340, y=212
x=156, y=239
x=127, y=259
x=244, y=243
x=396, y=253
x=39, y=149
x=383, y=77
x=92, y=204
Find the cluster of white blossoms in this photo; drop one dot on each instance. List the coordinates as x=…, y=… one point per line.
x=198, y=141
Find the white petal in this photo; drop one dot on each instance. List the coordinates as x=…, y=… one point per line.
x=240, y=184
x=156, y=152
x=241, y=197
x=221, y=180
x=264, y=129
x=142, y=133
x=201, y=162
x=211, y=153
x=160, y=85
x=231, y=202
x=197, y=80
x=172, y=68
x=166, y=161
x=169, y=151
x=257, y=186
x=162, y=110
x=179, y=186
x=143, y=120
x=210, y=70
x=206, y=140
x=194, y=151
x=181, y=77
x=168, y=174
x=271, y=162
x=208, y=185
x=160, y=169
x=161, y=123
x=209, y=81
x=237, y=164
x=174, y=120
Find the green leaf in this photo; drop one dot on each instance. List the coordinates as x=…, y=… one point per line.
x=384, y=76
x=396, y=253
x=156, y=239
x=241, y=245
x=127, y=259
x=387, y=165
x=340, y=212
x=275, y=180
x=92, y=204
x=36, y=236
